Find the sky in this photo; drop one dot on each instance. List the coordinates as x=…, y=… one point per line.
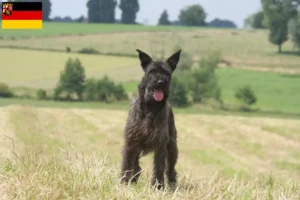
x=150, y=10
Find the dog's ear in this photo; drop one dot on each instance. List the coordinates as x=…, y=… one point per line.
x=144, y=58
x=174, y=59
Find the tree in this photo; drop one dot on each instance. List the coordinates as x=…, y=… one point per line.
x=71, y=79
x=277, y=15
x=255, y=20
x=202, y=81
x=46, y=10
x=129, y=10
x=294, y=29
x=101, y=11
x=80, y=19
x=193, y=15
x=164, y=18
x=220, y=23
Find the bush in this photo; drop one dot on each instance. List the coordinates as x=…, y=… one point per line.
x=104, y=90
x=246, y=95
x=41, y=94
x=202, y=81
x=88, y=51
x=186, y=60
x=71, y=80
x=178, y=93
x=68, y=49
x=5, y=90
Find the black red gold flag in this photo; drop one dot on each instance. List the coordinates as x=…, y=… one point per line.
x=22, y=15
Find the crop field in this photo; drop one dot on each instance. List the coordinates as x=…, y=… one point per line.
x=252, y=149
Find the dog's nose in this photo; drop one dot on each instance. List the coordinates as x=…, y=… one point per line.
x=160, y=82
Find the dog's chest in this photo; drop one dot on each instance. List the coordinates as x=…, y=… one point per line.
x=154, y=129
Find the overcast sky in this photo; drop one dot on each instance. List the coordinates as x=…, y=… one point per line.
x=150, y=10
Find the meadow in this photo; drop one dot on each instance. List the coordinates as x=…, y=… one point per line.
x=64, y=150
x=274, y=90
x=75, y=153
x=161, y=41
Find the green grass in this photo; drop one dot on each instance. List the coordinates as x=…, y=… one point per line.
x=274, y=91
x=51, y=29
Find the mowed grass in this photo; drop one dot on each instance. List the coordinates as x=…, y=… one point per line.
x=76, y=153
x=52, y=29
x=240, y=48
x=275, y=91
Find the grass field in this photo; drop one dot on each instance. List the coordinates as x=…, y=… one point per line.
x=250, y=148
x=47, y=142
x=240, y=48
x=275, y=91
x=64, y=150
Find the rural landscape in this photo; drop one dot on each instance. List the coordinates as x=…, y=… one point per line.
x=65, y=92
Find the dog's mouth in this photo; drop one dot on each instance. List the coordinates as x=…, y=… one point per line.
x=158, y=94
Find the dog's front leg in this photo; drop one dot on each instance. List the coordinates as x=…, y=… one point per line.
x=159, y=167
x=129, y=156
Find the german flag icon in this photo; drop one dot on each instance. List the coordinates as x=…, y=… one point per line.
x=22, y=15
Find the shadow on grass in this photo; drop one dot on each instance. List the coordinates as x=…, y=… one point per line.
x=290, y=53
x=290, y=75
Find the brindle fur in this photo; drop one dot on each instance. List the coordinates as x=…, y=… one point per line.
x=150, y=125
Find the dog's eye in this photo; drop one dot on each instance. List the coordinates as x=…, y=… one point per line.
x=152, y=71
x=166, y=73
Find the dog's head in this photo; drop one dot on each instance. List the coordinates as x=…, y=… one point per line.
x=157, y=77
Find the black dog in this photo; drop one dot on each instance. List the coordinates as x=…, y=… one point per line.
x=150, y=125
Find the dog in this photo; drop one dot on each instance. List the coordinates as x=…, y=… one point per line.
x=150, y=125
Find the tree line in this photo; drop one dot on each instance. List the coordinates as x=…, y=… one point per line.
x=103, y=11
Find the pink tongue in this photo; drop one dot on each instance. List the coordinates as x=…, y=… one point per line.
x=158, y=95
